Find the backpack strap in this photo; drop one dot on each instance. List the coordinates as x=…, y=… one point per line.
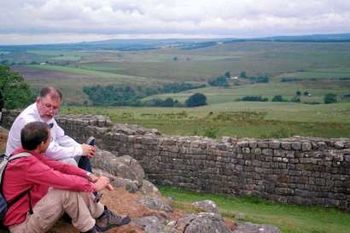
x=17, y=156
x=3, y=167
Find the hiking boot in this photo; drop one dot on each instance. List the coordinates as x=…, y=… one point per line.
x=109, y=220
x=93, y=230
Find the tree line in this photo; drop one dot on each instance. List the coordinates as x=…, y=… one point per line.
x=130, y=95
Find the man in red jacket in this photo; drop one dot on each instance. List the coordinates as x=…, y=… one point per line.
x=54, y=188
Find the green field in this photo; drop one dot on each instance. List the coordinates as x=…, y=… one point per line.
x=240, y=119
x=315, y=68
x=288, y=218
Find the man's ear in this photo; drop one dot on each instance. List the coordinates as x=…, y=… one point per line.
x=40, y=147
x=37, y=99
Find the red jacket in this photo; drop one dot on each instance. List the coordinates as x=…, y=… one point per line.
x=38, y=173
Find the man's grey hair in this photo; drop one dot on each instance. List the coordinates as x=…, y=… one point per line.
x=53, y=92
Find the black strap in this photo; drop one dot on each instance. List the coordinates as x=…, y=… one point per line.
x=22, y=194
x=30, y=202
x=14, y=200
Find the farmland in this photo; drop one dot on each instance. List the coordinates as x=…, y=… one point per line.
x=310, y=69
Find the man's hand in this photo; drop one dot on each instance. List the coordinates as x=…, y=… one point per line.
x=109, y=187
x=88, y=150
x=93, y=178
x=102, y=183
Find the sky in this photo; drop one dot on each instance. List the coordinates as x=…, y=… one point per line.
x=61, y=21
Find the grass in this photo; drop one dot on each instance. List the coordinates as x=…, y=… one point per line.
x=241, y=119
x=91, y=73
x=289, y=218
x=318, y=66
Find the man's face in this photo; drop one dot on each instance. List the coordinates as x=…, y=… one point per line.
x=48, y=107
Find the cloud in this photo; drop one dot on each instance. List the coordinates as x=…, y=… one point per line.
x=196, y=18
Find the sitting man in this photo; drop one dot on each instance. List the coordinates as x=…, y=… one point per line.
x=62, y=147
x=54, y=188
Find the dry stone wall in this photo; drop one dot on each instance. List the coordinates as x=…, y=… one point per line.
x=307, y=171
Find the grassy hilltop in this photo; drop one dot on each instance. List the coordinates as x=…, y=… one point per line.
x=312, y=69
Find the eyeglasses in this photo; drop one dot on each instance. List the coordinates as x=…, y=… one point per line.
x=51, y=107
x=54, y=108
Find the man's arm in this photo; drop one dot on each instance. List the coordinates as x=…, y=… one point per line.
x=62, y=146
x=65, y=168
x=40, y=173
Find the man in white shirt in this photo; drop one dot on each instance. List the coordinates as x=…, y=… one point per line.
x=62, y=147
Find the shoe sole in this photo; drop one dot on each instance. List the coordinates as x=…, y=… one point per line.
x=125, y=220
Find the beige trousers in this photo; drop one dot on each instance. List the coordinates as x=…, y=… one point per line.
x=78, y=205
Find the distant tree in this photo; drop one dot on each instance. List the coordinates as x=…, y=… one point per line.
x=220, y=81
x=227, y=74
x=195, y=100
x=278, y=98
x=243, y=74
x=296, y=98
x=16, y=92
x=168, y=102
x=254, y=98
x=330, y=98
x=264, y=78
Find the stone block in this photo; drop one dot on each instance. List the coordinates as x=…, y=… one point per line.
x=253, y=144
x=274, y=144
x=296, y=146
x=263, y=144
x=306, y=146
x=286, y=145
x=268, y=152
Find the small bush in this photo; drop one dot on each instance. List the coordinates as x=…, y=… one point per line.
x=195, y=100
x=254, y=98
x=278, y=98
x=330, y=98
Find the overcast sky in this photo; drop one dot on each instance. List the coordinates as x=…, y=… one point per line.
x=52, y=21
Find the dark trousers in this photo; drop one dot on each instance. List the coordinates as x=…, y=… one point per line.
x=84, y=163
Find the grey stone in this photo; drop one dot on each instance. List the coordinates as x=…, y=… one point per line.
x=254, y=228
x=263, y=144
x=124, y=167
x=207, y=206
x=296, y=145
x=253, y=144
x=202, y=223
x=306, y=146
x=156, y=203
x=149, y=189
x=274, y=144
x=286, y=145
x=339, y=144
x=150, y=224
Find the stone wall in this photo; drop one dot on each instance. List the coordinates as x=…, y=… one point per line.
x=307, y=171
